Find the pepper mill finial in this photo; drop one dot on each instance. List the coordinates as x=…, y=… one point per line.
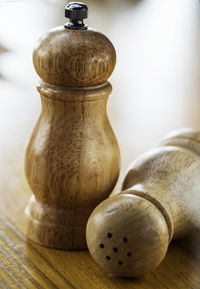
x=76, y=12
x=72, y=160
x=128, y=234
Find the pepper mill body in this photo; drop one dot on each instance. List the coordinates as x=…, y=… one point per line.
x=160, y=200
x=72, y=161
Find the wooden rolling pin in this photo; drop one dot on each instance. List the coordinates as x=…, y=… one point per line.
x=128, y=234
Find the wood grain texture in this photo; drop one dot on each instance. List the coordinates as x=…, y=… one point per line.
x=72, y=160
x=128, y=234
x=70, y=57
x=181, y=266
x=24, y=264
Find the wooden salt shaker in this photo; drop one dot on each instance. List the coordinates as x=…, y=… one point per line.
x=72, y=160
x=128, y=234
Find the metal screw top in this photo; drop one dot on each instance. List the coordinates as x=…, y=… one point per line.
x=76, y=12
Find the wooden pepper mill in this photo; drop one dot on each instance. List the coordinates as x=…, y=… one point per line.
x=128, y=234
x=72, y=160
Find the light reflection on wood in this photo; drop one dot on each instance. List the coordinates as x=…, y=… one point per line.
x=155, y=90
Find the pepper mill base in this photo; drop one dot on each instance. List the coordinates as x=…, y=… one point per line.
x=59, y=229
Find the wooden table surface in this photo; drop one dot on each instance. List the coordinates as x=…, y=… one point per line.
x=24, y=264
x=139, y=113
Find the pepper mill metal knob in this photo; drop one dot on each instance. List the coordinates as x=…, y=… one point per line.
x=72, y=160
x=128, y=234
x=76, y=12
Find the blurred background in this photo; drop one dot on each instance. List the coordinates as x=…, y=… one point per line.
x=155, y=82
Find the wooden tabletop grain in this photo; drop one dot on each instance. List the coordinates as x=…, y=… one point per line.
x=24, y=264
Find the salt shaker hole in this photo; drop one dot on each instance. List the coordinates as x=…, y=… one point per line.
x=108, y=258
x=129, y=254
x=109, y=235
x=115, y=249
x=120, y=262
x=125, y=239
x=101, y=246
